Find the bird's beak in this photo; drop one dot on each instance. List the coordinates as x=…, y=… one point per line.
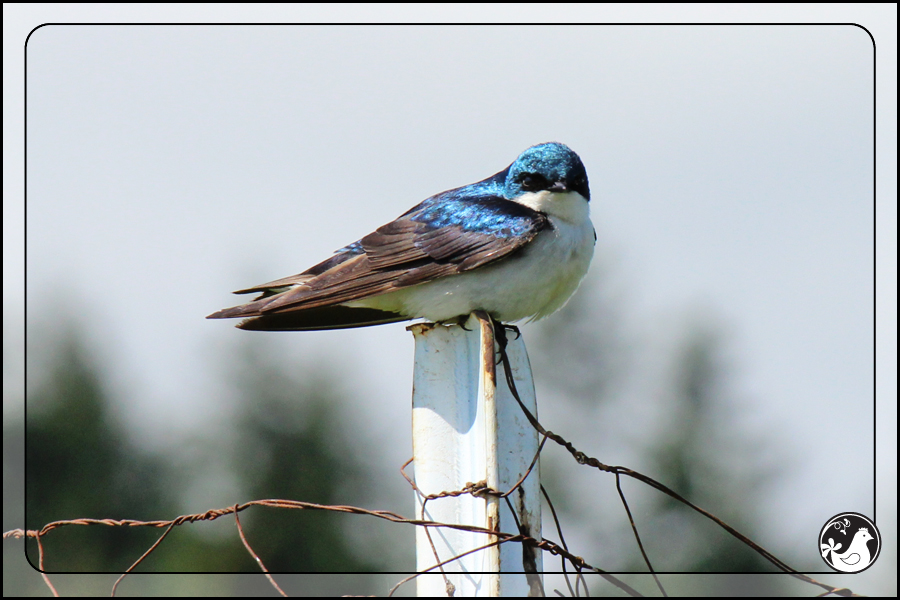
x=559, y=186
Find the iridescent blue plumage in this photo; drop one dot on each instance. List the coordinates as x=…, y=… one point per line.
x=485, y=214
x=484, y=206
x=555, y=163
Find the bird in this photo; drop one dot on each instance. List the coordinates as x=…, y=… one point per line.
x=515, y=245
x=855, y=558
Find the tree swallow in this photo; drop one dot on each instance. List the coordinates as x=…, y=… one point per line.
x=515, y=245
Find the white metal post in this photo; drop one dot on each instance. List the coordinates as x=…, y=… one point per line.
x=468, y=428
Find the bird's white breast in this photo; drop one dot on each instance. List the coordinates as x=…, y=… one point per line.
x=532, y=283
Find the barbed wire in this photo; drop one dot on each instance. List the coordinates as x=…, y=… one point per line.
x=474, y=489
x=211, y=515
x=477, y=489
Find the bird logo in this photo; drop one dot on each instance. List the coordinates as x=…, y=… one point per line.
x=862, y=550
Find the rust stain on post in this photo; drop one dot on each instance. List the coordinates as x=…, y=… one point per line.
x=487, y=345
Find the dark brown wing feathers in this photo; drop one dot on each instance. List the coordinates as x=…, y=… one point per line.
x=397, y=255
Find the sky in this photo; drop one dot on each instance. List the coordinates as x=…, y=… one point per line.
x=731, y=170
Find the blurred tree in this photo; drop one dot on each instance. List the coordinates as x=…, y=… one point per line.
x=15, y=572
x=79, y=463
x=286, y=442
x=697, y=456
x=584, y=346
x=702, y=451
x=292, y=443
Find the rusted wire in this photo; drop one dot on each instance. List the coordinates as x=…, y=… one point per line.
x=255, y=556
x=562, y=540
x=41, y=565
x=544, y=544
x=584, y=459
x=637, y=536
x=211, y=515
x=478, y=489
x=143, y=556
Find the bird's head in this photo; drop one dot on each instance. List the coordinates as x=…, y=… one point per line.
x=552, y=167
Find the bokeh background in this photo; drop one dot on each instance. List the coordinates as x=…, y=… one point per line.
x=723, y=341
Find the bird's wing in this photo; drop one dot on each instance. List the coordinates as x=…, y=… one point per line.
x=442, y=236
x=852, y=559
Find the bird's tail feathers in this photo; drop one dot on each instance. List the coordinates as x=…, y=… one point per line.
x=311, y=319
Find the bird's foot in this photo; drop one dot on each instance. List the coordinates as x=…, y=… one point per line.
x=461, y=321
x=500, y=334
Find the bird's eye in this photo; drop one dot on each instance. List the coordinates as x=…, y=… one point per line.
x=533, y=182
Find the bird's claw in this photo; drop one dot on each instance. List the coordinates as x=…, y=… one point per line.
x=501, y=338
